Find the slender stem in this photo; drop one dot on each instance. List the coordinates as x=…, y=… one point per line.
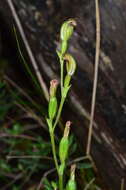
x=61, y=70
x=59, y=112
x=97, y=55
x=60, y=182
x=55, y=160
x=54, y=150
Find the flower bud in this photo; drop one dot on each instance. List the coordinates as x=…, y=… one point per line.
x=53, y=87
x=52, y=109
x=72, y=183
x=67, y=29
x=70, y=64
x=64, y=143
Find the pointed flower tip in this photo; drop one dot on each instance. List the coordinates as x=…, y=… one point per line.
x=53, y=87
x=68, y=123
x=54, y=83
x=72, y=22
x=67, y=29
x=67, y=128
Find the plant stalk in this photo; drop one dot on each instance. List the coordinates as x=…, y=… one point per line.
x=55, y=160
x=54, y=150
x=59, y=112
x=60, y=182
x=61, y=74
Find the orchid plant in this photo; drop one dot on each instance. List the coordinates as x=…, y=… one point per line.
x=54, y=110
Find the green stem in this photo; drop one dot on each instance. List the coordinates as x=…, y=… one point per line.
x=59, y=112
x=54, y=150
x=55, y=160
x=61, y=70
x=60, y=182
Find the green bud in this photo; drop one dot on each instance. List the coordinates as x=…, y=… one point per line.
x=64, y=143
x=63, y=149
x=70, y=64
x=53, y=88
x=52, y=109
x=72, y=183
x=67, y=29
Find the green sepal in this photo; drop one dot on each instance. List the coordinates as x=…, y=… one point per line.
x=52, y=109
